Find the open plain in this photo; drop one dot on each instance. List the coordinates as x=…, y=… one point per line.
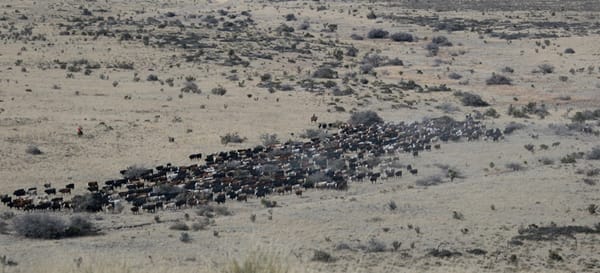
x=265, y=96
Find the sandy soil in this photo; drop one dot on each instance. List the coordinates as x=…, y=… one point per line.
x=128, y=121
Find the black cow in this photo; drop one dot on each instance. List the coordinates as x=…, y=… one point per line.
x=20, y=192
x=135, y=210
x=70, y=186
x=151, y=208
x=50, y=191
x=220, y=198
x=6, y=199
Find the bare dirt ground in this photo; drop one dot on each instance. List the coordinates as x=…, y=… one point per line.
x=525, y=203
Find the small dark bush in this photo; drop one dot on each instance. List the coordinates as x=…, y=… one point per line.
x=190, y=87
x=220, y=91
x=367, y=118
x=269, y=139
x=544, y=69
x=371, y=15
x=402, y=37
x=179, y=226
x=185, y=237
x=469, y=99
x=441, y=41
x=135, y=171
x=33, y=150
x=375, y=245
x=377, y=33
x=290, y=17
x=89, y=202
x=454, y=76
x=79, y=226
x=513, y=126
x=356, y=37
x=232, y=138
x=515, y=166
x=304, y=26
x=594, y=154
x=325, y=73
x=498, y=80
x=491, y=113
x=508, y=70
x=569, y=51
x=546, y=161
x=432, y=49
x=152, y=78
x=392, y=205
x=322, y=256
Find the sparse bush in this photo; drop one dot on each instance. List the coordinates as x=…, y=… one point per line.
x=454, y=76
x=325, y=73
x=497, y=79
x=402, y=37
x=513, y=166
x=457, y=215
x=210, y=211
x=432, y=49
x=491, y=112
x=544, y=69
x=513, y=126
x=441, y=41
x=367, y=118
x=594, y=154
x=377, y=33
x=569, y=51
x=257, y=262
x=429, y=181
x=290, y=17
x=268, y=203
x=508, y=70
x=322, y=256
x=220, y=91
x=45, y=226
x=392, y=205
x=190, y=87
x=179, y=226
x=33, y=150
x=375, y=245
x=469, y=99
x=201, y=224
x=152, y=78
x=356, y=37
x=269, y=139
x=546, y=161
x=185, y=237
x=135, y=171
x=304, y=26
x=232, y=138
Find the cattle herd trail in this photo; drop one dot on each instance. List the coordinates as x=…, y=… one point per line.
x=299, y=136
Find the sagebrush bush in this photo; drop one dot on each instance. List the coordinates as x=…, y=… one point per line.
x=322, y=256
x=497, y=79
x=46, y=226
x=33, y=150
x=470, y=99
x=135, y=171
x=594, y=154
x=325, y=73
x=220, y=91
x=179, y=226
x=515, y=166
x=375, y=245
x=377, y=33
x=269, y=139
x=367, y=118
x=402, y=37
x=232, y=138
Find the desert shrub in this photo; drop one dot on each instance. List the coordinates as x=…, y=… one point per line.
x=356, y=37
x=402, y=37
x=40, y=226
x=268, y=203
x=179, y=226
x=514, y=166
x=491, y=112
x=563, y=79
x=325, y=73
x=544, y=69
x=371, y=15
x=46, y=226
x=135, y=171
x=375, y=245
x=392, y=205
x=89, y=202
x=190, y=87
x=283, y=28
x=290, y=17
x=210, y=211
x=377, y=33
x=432, y=49
x=79, y=226
x=314, y=133
x=322, y=256
x=200, y=224
x=367, y=118
x=185, y=237
x=152, y=78
x=585, y=115
x=257, y=262
x=304, y=25
x=429, y=181
x=470, y=99
x=569, y=51
x=33, y=150
x=497, y=79
x=352, y=51
x=546, y=161
x=232, y=138
x=269, y=139
x=220, y=91
x=594, y=154
x=508, y=69
x=529, y=147
x=447, y=107
x=571, y=158
x=441, y=41
x=454, y=76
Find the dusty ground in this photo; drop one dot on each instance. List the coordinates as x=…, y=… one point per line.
x=128, y=121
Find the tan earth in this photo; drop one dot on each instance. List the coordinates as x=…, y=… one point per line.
x=67, y=63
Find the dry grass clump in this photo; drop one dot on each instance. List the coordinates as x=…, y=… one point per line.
x=257, y=262
x=179, y=226
x=322, y=256
x=594, y=154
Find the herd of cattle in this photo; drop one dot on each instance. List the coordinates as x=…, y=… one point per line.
x=351, y=154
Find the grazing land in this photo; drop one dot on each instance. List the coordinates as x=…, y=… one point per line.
x=299, y=136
